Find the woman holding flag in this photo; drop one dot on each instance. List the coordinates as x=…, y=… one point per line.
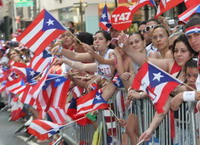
x=182, y=52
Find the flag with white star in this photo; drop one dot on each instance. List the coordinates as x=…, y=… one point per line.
x=28, y=74
x=40, y=62
x=105, y=22
x=156, y=83
x=117, y=81
x=91, y=102
x=41, y=32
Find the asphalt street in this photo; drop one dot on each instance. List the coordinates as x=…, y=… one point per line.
x=7, y=129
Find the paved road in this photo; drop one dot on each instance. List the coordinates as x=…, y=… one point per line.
x=7, y=129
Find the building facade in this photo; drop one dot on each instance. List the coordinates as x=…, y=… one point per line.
x=84, y=13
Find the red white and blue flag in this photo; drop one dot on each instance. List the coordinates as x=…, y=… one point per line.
x=191, y=3
x=72, y=112
x=166, y=5
x=43, y=129
x=58, y=97
x=91, y=102
x=58, y=115
x=28, y=74
x=156, y=83
x=40, y=62
x=141, y=3
x=41, y=32
x=105, y=22
x=185, y=16
x=16, y=86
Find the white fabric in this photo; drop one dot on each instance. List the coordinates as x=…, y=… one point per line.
x=198, y=83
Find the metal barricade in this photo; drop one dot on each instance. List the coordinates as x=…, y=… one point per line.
x=186, y=125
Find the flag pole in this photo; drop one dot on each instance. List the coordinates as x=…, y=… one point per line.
x=66, y=124
x=113, y=113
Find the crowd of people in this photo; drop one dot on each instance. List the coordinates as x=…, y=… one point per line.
x=111, y=60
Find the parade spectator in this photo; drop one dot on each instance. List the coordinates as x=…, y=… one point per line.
x=71, y=26
x=141, y=28
x=191, y=74
x=182, y=53
x=150, y=25
x=193, y=38
x=160, y=40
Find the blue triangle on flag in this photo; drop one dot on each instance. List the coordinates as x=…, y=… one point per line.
x=157, y=76
x=59, y=81
x=98, y=98
x=50, y=22
x=197, y=10
x=46, y=54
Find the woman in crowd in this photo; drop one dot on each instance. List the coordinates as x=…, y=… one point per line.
x=182, y=52
x=160, y=41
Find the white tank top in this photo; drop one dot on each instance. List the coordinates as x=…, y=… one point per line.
x=104, y=70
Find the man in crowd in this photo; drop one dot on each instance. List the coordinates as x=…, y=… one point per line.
x=192, y=31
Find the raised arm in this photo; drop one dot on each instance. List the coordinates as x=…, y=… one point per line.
x=90, y=67
x=101, y=59
x=83, y=57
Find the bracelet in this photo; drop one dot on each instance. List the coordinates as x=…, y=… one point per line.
x=189, y=96
x=141, y=94
x=60, y=48
x=197, y=105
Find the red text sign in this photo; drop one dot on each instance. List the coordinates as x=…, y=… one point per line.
x=121, y=18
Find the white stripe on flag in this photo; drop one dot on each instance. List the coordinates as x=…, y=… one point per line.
x=38, y=128
x=54, y=113
x=158, y=91
x=188, y=14
x=33, y=32
x=18, y=90
x=88, y=103
x=58, y=95
x=42, y=38
x=146, y=80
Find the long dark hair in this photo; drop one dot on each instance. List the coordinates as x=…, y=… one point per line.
x=183, y=38
x=107, y=37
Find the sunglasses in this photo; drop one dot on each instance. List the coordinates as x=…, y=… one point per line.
x=149, y=28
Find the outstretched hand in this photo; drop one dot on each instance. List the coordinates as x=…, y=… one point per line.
x=146, y=135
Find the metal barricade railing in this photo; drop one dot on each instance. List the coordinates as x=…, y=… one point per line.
x=186, y=126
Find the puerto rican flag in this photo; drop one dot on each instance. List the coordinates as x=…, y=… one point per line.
x=16, y=86
x=166, y=5
x=156, y=83
x=72, y=112
x=26, y=73
x=58, y=97
x=105, y=22
x=77, y=91
x=40, y=62
x=141, y=3
x=43, y=129
x=91, y=102
x=58, y=115
x=191, y=3
x=185, y=16
x=41, y=32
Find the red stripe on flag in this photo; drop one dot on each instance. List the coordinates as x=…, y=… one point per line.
x=31, y=26
x=34, y=39
x=47, y=41
x=63, y=99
